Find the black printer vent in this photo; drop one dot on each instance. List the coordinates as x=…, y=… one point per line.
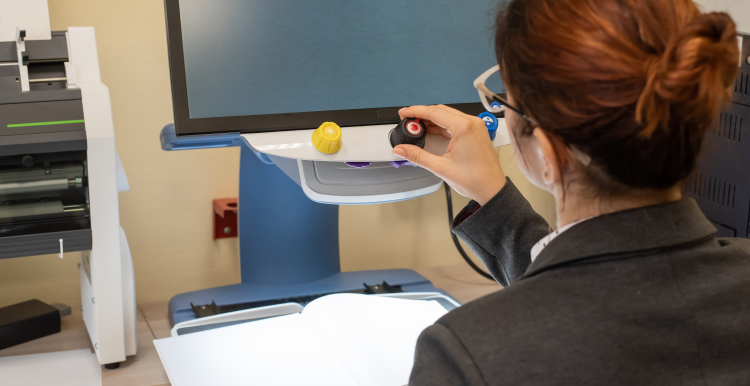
x=741, y=92
x=742, y=85
x=727, y=125
x=712, y=189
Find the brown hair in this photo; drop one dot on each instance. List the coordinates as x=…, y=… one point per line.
x=632, y=83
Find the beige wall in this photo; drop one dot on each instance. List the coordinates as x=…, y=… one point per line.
x=167, y=212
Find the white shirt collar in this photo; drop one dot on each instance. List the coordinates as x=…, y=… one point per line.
x=539, y=246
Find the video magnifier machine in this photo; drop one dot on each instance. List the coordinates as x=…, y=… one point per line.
x=311, y=91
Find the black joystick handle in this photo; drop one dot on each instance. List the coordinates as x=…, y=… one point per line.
x=410, y=131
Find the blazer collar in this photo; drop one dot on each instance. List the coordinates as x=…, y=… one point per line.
x=634, y=230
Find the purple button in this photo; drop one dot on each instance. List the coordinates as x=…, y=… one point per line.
x=358, y=165
x=398, y=164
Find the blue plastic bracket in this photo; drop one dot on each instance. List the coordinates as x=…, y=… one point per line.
x=170, y=141
x=284, y=236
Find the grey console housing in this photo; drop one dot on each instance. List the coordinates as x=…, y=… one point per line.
x=338, y=183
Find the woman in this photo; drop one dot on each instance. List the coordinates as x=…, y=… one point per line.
x=632, y=288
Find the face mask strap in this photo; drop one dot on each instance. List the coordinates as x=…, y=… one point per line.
x=583, y=157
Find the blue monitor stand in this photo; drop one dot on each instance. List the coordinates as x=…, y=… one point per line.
x=289, y=245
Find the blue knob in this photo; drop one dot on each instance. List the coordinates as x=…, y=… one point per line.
x=491, y=122
x=496, y=105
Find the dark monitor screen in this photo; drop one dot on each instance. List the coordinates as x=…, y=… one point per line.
x=265, y=65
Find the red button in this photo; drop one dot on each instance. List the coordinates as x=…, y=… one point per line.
x=414, y=128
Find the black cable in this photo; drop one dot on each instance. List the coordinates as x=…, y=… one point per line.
x=466, y=257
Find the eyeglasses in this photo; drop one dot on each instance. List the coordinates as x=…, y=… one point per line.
x=496, y=103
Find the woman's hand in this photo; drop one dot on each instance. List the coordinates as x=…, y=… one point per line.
x=470, y=165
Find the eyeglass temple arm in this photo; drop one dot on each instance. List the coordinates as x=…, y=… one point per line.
x=501, y=98
x=496, y=97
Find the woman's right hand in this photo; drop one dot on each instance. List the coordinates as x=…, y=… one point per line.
x=470, y=165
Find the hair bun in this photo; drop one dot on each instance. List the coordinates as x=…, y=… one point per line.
x=692, y=76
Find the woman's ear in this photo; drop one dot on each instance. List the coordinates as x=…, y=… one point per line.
x=551, y=167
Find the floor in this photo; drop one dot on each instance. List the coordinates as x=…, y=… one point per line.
x=145, y=369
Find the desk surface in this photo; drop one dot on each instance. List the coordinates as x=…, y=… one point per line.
x=145, y=369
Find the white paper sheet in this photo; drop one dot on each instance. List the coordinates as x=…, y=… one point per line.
x=62, y=368
x=342, y=339
x=373, y=337
x=277, y=351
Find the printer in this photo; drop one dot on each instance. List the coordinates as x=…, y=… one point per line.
x=60, y=173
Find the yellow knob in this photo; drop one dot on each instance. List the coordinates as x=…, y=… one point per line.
x=327, y=138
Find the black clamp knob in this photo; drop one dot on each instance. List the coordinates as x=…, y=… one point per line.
x=410, y=131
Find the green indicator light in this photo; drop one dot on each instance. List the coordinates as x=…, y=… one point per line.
x=45, y=123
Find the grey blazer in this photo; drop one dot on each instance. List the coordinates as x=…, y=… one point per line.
x=640, y=297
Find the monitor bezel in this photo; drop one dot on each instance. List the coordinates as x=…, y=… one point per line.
x=184, y=125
